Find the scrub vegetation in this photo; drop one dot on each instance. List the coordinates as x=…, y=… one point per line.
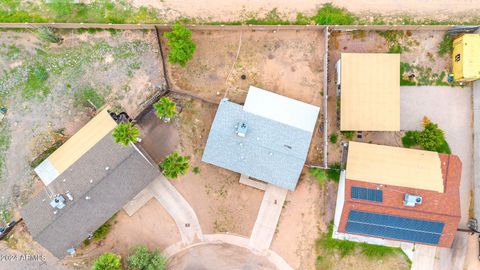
x=142, y=258
x=180, y=44
x=446, y=45
x=88, y=97
x=329, y=250
x=331, y=174
x=431, y=138
x=420, y=75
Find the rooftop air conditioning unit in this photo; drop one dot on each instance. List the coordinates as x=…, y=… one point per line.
x=242, y=129
x=412, y=200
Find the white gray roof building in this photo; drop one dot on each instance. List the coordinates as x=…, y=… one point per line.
x=272, y=150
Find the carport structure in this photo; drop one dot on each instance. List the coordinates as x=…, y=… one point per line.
x=370, y=91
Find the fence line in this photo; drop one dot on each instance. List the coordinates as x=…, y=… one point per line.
x=166, y=27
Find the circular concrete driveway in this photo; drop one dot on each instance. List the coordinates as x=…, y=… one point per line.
x=218, y=256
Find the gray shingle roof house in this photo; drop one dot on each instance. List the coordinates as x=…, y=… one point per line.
x=99, y=182
x=268, y=138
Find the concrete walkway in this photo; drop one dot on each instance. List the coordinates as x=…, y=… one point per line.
x=267, y=219
x=180, y=210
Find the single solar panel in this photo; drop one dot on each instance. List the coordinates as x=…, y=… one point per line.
x=367, y=194
x=395, y=227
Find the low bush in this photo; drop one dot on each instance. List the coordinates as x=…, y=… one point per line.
x=431, y=138
x=180, y=44
x=144, y=259
x=333, y=138
x=348, y=134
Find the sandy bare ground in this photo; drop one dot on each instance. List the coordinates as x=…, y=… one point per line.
x=233, y=10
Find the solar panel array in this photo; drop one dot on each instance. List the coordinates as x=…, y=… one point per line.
x=368, y=194
x=395, y=227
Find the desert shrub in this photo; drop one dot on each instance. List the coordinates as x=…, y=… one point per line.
x=333, y=172
x=48, y=34
x=165, y=108
x=107, y=261
x=144, y=259
x=88, y=97
x=319, y=174
x=196, y=170
x=431, y=138
x=330, y=14
x=180, y=44
x=125, y=133
x=102, y=231
x=348, y=134
x=446, y=45
x=333, y=138
x=174, y=165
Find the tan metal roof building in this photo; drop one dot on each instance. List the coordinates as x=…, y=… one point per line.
x=394, y=166
x=89, y=135
x=370, y=92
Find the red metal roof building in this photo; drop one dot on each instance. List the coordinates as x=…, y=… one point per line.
x=382, y=211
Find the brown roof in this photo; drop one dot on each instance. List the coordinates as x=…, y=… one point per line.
x=436, y=206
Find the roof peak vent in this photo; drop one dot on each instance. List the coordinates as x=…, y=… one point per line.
x=412, y=200
x=241, y=129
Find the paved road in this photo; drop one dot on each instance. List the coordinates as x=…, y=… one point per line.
x=267, y=219
x=178, y=208
x=451, y=108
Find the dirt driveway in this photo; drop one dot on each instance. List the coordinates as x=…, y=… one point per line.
x=451, y=108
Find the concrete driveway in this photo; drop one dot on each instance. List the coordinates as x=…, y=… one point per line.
x=451, y=109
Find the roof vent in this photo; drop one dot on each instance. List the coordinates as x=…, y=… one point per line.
x=412, y=200
x=242, y=129
x=58, y=202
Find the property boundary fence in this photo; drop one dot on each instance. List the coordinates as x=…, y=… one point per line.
x=166, y=27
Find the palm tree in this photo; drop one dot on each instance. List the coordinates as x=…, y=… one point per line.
x=165, y=108
x=174, y=165
x=125, y=133
x=107, y=261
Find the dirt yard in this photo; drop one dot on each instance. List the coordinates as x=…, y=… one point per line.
x=419, y=49
x=289, y=63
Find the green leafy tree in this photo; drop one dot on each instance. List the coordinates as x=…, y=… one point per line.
x=125, y=133
x=165, y=109
x=174, y=165
x=144, y=259
x=181, y=45
x=107, y=261
x=48, y=34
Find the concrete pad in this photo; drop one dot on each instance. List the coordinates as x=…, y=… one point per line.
x=267, y=219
